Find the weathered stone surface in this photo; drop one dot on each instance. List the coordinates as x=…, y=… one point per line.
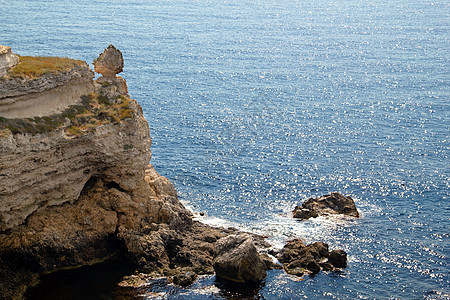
x=45, y=95
x=332, y=204
x=7, y=59
x=237, y=259
x=67, y=201
x=110, y=62
x=184, y=278
x=42, y=170
x=298, y=258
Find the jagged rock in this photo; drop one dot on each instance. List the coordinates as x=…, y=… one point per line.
x=298, y=258
x=237, y=259
x=326, y=205
x=110, y=62
x=184, y=278
x=68, y=201
x=338, y=258
x=7, y=59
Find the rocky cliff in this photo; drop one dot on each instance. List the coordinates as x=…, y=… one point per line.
x=76, y=187
x=40, y=86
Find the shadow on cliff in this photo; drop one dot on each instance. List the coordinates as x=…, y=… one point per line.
x=91, y=282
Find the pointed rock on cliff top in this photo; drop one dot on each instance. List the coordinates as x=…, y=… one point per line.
x=7, y=59
x=110, y=62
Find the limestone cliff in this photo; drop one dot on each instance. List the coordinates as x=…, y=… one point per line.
x=41, y=86
x=76, y=188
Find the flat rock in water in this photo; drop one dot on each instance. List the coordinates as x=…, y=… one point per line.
x=332, y=204
x=298, y=258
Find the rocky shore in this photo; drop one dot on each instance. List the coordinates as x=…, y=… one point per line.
x=76, y=188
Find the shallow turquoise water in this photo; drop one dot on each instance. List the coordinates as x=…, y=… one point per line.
x=254, y=106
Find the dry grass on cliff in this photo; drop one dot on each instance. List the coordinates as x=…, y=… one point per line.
x=36, y=66
x=93, y=111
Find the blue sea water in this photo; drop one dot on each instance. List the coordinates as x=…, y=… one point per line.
x=254, y=106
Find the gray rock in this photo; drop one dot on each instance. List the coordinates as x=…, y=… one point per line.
x=7, y=59
x=237, y=259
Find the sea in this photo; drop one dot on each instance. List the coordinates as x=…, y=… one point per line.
x=255, y=106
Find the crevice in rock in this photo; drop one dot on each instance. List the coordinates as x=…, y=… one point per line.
x=115, y=185
x=89, y=184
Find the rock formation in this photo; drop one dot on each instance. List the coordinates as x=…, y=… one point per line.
x=76, y=188
x=326, y=205
x=24, y=95
x=7, y=60
x=237, y=259
x=298, y=258
x=80, y=190
x=109, y=64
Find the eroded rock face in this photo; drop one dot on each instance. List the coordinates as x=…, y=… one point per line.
x=42, y=170
x=7, y=59
x=110, y=62
x=298, y=258
x=68, y=201
x=237, y=259
x=45, y=95
x=332, y=204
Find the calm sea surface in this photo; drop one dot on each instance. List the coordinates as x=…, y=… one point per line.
x=254, y=106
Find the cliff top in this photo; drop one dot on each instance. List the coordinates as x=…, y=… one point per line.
x=36, y=66
x=4, y=49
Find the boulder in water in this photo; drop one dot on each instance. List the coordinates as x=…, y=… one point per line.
x=237, y=259
x=332, y=204
x=298, y=258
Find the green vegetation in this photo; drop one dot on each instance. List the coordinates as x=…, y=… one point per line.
x=36, y=66
x=94, y=110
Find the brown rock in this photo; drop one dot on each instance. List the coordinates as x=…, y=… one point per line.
x=237, y=259
x=298, y=257
x=334, y=203
x=68, y=201
x=7, y=59
x=184, y=278
x=110, y=62
x=338, y=258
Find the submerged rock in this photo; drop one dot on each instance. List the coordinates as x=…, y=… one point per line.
x=298, y=258
x=332, y=204
x=237, y=259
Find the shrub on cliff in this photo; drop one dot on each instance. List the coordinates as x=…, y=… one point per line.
x=36, y=66
x=93, y=111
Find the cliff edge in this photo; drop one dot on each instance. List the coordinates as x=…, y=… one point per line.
x=76, y=186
